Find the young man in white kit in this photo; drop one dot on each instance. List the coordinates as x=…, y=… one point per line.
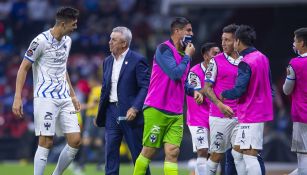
x=198, y=114
x=55, y=102
x=295, y=86
x=220, y=75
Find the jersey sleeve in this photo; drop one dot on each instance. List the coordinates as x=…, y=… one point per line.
x=290, y=73
x=194, y=80
x=211, y=72
x=35, y=49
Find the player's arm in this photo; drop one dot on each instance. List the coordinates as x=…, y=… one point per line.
x=290, y=81
x=20, y=80
x=165, y=59
x=242, y=81
x=211, y=74
x=226, y=110
x=34, y=51
x=72, y=94
x=192, y=86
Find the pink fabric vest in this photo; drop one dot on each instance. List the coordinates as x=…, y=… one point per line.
x=256, y=105
x=299, y=94
x=225, y=79
x=165, y=93
x=198, y=115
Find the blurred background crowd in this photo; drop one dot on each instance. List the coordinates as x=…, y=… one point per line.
x=22, y=20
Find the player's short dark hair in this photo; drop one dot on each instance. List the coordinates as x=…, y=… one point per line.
x=179, y=23
x=231, y=28
x=206, y=47
x=301, y=35
x=246, y=34
x=67, y=13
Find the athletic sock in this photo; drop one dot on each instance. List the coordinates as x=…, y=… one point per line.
x=141, y=165
x=40, y=160
x=170, y=168
x=302, y=163
x=252, y=165
x=211, y=167
x=66, y=157
x=200, y=168
x=239, y=162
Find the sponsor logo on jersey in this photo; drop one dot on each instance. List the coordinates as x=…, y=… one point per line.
x=33, y=46
x=48, y=116
x=59, y=60
x=155, y=129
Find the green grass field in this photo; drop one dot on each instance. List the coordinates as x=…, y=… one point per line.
x=90, y=169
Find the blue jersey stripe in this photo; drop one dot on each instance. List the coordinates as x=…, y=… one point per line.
x=60, y=90
x=41, y=84
x=210, y=81
x=45, y=36
x=54, y=89
x=44, y=91
x=290, y=78
x=64, y=90
x=28, y=58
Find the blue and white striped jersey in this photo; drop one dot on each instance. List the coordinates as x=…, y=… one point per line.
x=49, y=60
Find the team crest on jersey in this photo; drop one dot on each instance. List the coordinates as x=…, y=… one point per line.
x=208, y=75
x=153, y=138
x=29, y=53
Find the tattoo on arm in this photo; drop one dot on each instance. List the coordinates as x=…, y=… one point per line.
x=210, y=93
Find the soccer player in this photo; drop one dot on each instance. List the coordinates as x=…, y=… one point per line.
x=163, y=119
x=295, y=85
x=55, y=102
x=220, y=75
x=198, y=114
x=254, y=94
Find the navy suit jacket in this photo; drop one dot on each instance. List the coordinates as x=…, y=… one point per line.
x=132, y=87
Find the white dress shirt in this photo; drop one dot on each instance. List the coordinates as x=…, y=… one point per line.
x=117, y=65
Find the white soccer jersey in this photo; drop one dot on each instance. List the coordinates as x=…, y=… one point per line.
x=49, y=58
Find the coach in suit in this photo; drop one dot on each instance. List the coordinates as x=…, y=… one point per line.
x=125, y=84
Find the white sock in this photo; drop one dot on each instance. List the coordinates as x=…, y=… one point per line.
x=239, y=162
x=252, y=165
x=211, y=167
x=40, y=160
x=200, y=167
x=294, y=172
x=302, y=163
x=66, y=157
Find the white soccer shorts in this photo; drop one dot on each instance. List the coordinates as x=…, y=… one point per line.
x=200, y=137
x=299, y=137
x=54, y=116
x=250, y=135
x=222, y=133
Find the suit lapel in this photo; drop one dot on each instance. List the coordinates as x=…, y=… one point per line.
x=125, y=64
x=109, y=73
